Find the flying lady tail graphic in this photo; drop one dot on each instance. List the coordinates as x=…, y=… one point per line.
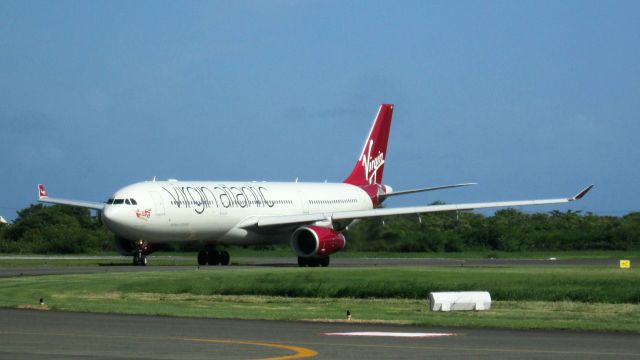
x=370, y=165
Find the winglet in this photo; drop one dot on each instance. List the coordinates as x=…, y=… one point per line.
x=582, y=193
x=42, y=192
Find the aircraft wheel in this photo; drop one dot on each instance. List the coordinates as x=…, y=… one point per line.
x=202, y=257
x=324, y=261
x=225, y=258
x=302, y=262
x=213, y=257
x=313, y=262
x=139, y=260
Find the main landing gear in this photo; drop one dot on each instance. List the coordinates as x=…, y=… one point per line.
x=213, y=257
x=313, y=262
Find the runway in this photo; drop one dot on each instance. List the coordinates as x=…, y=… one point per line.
x=32, y=334
x=104, y=264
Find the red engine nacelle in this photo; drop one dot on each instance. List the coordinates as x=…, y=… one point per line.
x=308, y=241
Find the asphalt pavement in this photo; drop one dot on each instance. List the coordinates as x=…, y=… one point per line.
x=37, y=334
x=105, y=264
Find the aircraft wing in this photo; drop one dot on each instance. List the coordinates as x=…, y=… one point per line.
x=290, y=220
x=44, y=197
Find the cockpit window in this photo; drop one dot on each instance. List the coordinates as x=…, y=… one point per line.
x=122, y=201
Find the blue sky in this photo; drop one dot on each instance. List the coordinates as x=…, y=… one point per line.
x=529, y=99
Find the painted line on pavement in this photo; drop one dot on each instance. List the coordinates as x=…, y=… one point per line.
x=390, y=334
x=299, y=352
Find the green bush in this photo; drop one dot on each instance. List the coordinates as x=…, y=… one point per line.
x=55, y=230
x=507, y=230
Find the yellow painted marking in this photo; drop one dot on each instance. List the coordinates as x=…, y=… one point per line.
x=625, y=264
x=300, y=352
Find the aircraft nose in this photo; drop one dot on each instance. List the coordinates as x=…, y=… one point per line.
x=113, y=216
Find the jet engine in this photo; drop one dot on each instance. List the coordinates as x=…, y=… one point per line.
x=316, y=241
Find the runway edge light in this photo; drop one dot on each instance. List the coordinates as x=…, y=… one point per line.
x=625, y=264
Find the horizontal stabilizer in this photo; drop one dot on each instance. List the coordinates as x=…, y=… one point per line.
x=412, y=191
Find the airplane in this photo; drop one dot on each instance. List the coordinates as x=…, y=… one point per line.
x=309, y=216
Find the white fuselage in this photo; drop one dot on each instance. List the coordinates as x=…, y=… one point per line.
x=211, y=212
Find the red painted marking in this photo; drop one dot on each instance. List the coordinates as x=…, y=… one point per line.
x=144, y=215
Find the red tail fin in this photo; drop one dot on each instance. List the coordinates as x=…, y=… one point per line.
x=370, y=165
x=41, y=191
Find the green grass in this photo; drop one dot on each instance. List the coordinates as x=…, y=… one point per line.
x=584, y=284
x=549, y=283
x=503, y=314
x=583, y=298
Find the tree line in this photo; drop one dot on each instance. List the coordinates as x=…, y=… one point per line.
x=42, y=229
x=506, y=230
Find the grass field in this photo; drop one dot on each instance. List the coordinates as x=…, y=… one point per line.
x=584, y=298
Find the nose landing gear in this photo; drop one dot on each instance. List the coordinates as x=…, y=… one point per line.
x=213, y=257
x=140, y=257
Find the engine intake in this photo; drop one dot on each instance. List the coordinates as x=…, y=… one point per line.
x=308, y=241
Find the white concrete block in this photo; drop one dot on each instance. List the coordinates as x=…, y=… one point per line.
x=459, y=300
